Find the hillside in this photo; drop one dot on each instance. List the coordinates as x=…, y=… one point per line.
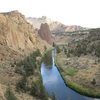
x=55, y=26
x=79, y=63
x=17, y=40
x=18, y=34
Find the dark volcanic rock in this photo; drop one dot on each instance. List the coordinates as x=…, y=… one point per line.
x=45, y=33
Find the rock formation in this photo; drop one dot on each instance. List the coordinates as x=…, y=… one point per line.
x=45, y=33
x=18, y=34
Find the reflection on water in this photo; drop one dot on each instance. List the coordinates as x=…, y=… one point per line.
x=54, y=84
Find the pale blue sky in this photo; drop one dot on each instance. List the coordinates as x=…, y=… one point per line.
x=70, y=12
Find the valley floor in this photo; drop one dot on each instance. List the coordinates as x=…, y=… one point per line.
x=80, y=73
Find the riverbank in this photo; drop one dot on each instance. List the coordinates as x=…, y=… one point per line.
x=31, y=80
x=81, y=74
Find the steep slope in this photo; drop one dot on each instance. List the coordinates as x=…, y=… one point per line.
x=18, y=34
x=17, y=39
x=55, y=26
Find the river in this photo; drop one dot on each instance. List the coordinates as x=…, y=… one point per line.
x=54, y=84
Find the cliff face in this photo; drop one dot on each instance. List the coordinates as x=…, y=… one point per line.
x=45, y=33
x=17, y=33
x=54, y=26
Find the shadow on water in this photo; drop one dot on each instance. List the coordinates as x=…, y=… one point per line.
x=47, y=59
x=55, y=85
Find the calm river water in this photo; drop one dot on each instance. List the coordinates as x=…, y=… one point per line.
x=54, y=84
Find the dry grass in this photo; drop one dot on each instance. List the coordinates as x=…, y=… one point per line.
x=88, y=69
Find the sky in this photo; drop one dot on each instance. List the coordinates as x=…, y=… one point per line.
x=85, y=13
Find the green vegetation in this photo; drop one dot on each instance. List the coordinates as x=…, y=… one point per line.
x=9, y=94
x=22, y=84
x=79, y=61
x=53, y=97
x=29, y=64
x=70, y=71
x=68, y=74
x=47, y=59
x=72, y=32
x=93, y=82
x=45, y=48
x=78, y=88
x=38, y=90
x=82, y=90
x=58, y=49
x=31, y=81
x=54, y=45
x=88, y=45
x=84, y=48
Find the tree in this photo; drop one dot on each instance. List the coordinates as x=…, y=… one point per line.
x=47, y=59
x=22, y=84
x=93, y=82
x=54, y=45
x=45, y=48
x=9, y=94
x=58, y=49
x=65, y=50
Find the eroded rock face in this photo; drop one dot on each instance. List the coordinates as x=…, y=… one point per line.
x=45, y=33
x=17, y=33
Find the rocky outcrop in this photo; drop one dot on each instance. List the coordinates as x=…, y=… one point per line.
x=18, y=34
x=45, y=33
x=55, y=26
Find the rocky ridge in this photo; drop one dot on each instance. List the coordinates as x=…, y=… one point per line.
x=55, y=26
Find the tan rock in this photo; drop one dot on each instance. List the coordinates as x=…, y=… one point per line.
x=17, y=33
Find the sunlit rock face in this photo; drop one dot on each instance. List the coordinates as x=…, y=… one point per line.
x=45, y=33
x=18, y=34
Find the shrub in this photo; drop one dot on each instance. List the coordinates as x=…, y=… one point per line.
x=37, y=89
x=28, y=65
x=22, y=85
x=58, y=49
x=54, y=45
x=71, y=71
x=10, y=95
x=45, y=48
x=47, y=58
x=93, y=82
